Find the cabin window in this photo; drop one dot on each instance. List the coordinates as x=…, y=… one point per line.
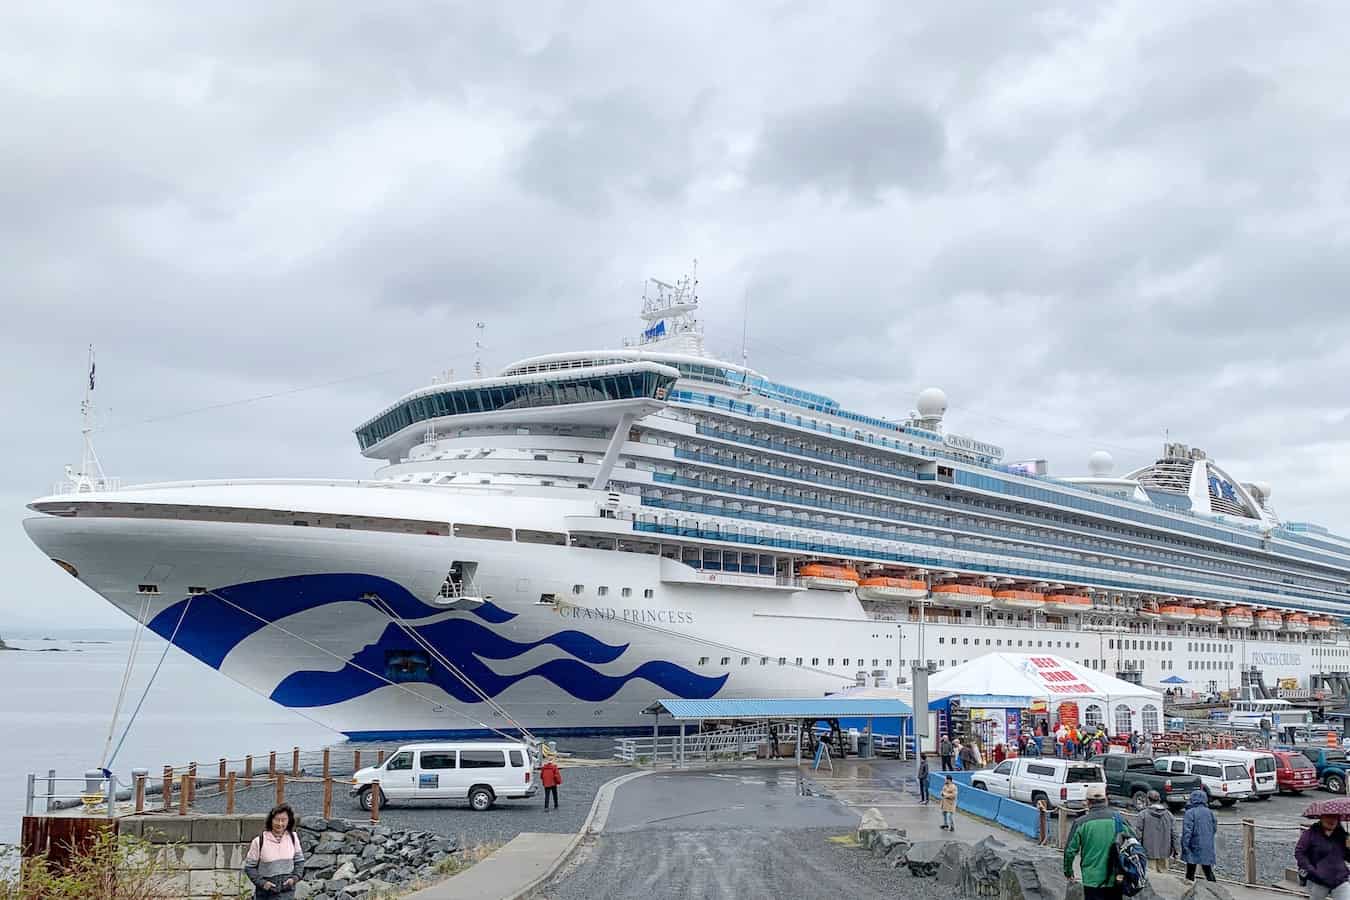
x=578, y=588
x=531, y=536
x=726, y=660
x=482, y=532
x=703, y=660
x=602, y=591
x=626, y=592
x=648, y=593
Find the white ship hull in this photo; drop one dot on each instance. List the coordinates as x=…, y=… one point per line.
x=297, y=624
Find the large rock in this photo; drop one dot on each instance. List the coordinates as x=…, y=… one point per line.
x=1205, y=890
x=872, y=822
x=887, y=841
x=923, y=858
x=953, y=863
x=1036, y=878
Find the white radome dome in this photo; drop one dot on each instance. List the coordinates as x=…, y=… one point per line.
x=932, y=403
x=1262, y=490
x=1101, y=463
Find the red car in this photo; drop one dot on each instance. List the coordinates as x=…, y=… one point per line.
x=1294, y=772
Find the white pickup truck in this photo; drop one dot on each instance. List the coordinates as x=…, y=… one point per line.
x=1059, y=782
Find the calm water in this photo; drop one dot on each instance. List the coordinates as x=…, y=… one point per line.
x=55, y=709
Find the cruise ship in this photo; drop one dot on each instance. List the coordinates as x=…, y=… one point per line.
x=553, y=548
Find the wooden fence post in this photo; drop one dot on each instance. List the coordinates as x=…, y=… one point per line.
x=356, y=760
x=295, y=762
x=1063, y=827
x=1249, y=850
x=281, y=788
x=183, y=790
x=327, y=797
x=220, y=777
x=192, y=781
x=326, y=771
x=272, y=764
x=379, y=758
x=140, y=793
x=375, y=796
x=229, y=794
x=166, y=792
x=248, y=771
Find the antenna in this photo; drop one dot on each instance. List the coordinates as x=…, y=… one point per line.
x=90, y=476
x=745, y=328
x=478, y=350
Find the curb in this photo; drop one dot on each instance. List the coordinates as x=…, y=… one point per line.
x=595, y=823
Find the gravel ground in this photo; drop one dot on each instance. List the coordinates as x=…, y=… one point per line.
x=1276, y=834
x=730, y=864
x=504, y=821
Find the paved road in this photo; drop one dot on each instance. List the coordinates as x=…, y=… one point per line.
x=734, y=833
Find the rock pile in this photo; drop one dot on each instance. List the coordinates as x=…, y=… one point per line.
x=991, y=868
x=346, y=860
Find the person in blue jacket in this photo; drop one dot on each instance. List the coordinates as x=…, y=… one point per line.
x=1198, y=827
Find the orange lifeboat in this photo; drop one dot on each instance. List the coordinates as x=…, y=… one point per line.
x=1207, y=616
x=883, y=587
x=962, y=595
x=1068, y=603
x=1296, y=622
x=1270, y=620
x=1177, y=613
x=1238, y=617
x=1018, y=600
x=1149, y=612
x=827, y=577
x=1321, y=626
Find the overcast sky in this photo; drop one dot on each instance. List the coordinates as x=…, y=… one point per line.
x=1089, y=223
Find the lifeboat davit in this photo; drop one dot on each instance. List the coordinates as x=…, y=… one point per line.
x=1177, y=613
x=829, y=578
x=1068, y=603
x=1270, y=621
x=1296, y=622
x=1238, y=617
x=1321, y=626
x=1149, y=612
x=887, y=588
x=1206, y=616
x=1019, y=600
x=962, y=595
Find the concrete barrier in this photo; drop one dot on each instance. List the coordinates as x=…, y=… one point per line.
x=978, y=802
x=1020, y=817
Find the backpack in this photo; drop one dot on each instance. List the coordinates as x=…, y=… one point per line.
x=1129, y=862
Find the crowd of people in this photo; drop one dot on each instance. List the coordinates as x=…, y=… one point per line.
x=1065, y=741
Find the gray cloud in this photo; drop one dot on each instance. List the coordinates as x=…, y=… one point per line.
x=1087, y=224
x=860, y=149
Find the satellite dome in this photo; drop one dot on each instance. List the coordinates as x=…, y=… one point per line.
x=1101, y=463
x=1262, y=490
x=932, y=403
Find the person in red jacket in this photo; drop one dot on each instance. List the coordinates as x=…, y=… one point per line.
x=550, y=776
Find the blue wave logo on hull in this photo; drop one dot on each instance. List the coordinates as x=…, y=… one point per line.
x=211, y=629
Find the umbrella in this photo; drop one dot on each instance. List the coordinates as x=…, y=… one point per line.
x=1173, y=679
x=1337, y=806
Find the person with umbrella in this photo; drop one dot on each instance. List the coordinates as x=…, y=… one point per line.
x=1322, y=852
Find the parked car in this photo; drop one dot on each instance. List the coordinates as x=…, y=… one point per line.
x=480, y=772
x=1261, y=766
x=1294, y=772
x=1222, y=780
x=1333, y=768
x=1130, y=776
x=1058, y=782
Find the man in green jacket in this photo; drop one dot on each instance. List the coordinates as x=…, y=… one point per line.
x=1092, y=839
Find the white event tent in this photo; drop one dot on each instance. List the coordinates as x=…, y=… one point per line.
x=1012, y=677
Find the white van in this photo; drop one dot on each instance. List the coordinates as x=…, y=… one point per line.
x=1060, y=782
x=1261, y=766
x=1223, y=780
x=481, y=772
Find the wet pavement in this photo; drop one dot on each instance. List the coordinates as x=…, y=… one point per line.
x=756, y=798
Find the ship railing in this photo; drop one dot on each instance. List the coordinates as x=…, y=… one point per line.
x=706, y=746
x=86, y=486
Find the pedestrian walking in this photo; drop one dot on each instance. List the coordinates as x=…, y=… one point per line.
x=550, y=776
x=1134, y=742
x=999, y=754
x=947, y=803
x=1198, y=827
x=274, y=861
x=923, y=779
x=1093, y=842
x=966, y=759
x=945, y=752
x=1157, y=832
x=1322, y=854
